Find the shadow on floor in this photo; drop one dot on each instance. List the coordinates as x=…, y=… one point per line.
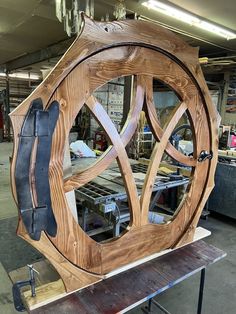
x=14, y=252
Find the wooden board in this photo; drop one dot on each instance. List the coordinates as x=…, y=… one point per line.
x=102, y=52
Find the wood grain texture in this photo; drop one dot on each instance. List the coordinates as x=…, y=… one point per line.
x=102, y=52
x=145, y=281
x=73, y=277
x=51, y=291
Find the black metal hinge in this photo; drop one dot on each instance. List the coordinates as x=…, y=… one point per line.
x=204, y=155
x=38, y=124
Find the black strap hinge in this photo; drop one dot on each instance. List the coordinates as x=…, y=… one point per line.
x=38, y=124
x=204, y=155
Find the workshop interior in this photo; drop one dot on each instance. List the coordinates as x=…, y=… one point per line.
x=117, y=156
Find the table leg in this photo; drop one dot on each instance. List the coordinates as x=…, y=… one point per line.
x=149, y=305
x=147, y=308
x=201, y=290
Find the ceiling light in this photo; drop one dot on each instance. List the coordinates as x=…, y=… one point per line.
x=21, y=75
x=188, y=18
x=120, y=10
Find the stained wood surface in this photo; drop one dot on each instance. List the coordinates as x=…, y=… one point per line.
x=73, y=277
x=144, y=281
x=103, y=52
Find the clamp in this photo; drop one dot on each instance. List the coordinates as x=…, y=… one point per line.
x=18, y=303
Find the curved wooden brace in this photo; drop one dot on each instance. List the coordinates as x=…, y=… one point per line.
x=156, y=156
x=157, y=129
x=122, y=157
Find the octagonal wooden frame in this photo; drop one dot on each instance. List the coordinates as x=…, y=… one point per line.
x=104, y=51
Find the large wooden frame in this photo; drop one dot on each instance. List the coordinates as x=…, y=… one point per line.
x=102, y=52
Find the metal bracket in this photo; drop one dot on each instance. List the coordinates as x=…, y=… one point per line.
x=204, y=155
x=18, y=303
x=38, y=124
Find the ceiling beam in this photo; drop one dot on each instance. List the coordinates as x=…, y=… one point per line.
x=43, y=54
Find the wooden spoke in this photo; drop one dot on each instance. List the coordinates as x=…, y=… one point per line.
x=157, y=130
x=156, y=159
x=102, y=116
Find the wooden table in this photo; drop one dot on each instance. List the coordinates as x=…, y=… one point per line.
x=131, y=288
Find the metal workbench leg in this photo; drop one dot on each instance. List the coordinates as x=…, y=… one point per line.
x=155, y=199
x=201, y=290
x=84, y=218
x=149, y=305
x=116, y=229
x=147, y=309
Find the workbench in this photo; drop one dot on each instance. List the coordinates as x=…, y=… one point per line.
x=223, y=197
x=125, y=291
x=109, y=187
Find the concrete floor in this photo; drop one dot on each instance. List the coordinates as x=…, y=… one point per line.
x=220, y=287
